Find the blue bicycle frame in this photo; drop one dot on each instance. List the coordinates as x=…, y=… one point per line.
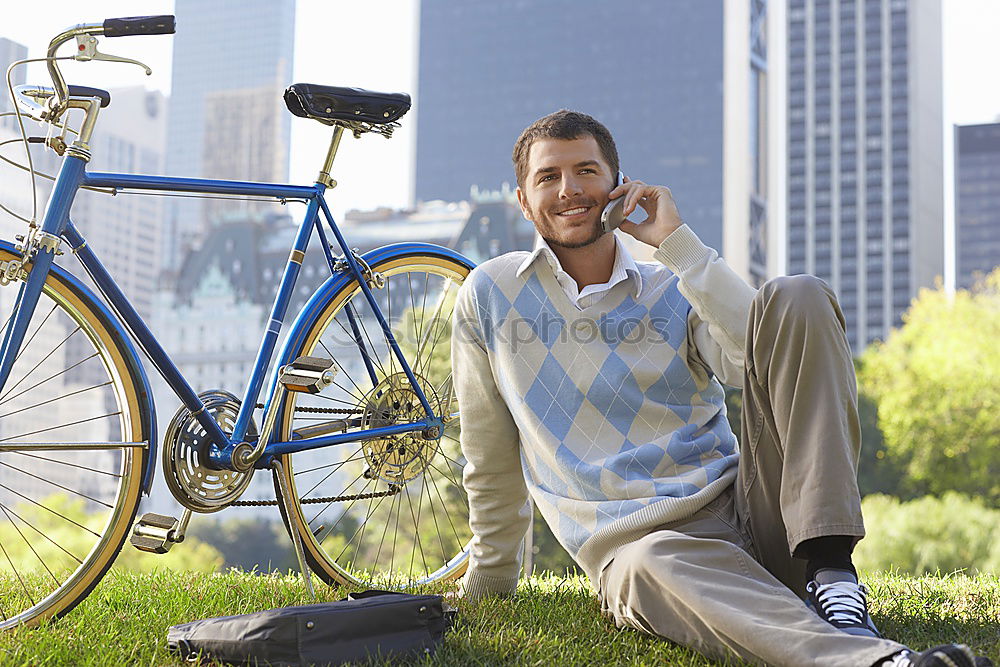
x=57, y=223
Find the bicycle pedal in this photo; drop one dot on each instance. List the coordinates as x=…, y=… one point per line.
x=155, y=533
x=308, y=375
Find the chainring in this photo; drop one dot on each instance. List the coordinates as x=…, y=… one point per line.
x=191, y=481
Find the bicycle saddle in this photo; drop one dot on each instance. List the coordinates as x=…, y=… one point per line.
x=332, y=103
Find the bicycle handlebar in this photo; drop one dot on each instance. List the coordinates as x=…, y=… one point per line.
x=140, y=25
x=121, y=27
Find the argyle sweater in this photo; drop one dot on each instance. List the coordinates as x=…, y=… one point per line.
x=611, y=418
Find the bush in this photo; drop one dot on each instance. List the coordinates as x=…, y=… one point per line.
x=929, y=534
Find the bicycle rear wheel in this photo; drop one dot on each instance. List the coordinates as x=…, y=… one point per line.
x=388, y=511
x=69, y=486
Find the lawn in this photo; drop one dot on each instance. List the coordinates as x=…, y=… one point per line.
x=552, y=621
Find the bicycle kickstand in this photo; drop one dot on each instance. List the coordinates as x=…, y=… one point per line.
x=286, y=498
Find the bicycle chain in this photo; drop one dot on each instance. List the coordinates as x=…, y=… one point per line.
x=337, y=411
x=314, y=501
x=327, y=499
x=333, y=411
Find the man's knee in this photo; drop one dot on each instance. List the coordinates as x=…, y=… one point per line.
x=800, y=287
x=801, y=295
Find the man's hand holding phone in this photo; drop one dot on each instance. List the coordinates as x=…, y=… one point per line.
x=656, y=200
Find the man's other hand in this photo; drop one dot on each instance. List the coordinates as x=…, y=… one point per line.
x=663, y=217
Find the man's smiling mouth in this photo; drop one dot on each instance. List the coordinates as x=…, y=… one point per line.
x=574, y=211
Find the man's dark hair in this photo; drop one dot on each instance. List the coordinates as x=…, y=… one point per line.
x=563, y=124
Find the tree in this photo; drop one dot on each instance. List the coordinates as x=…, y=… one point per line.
x=246, y=543
x=928, y=534
x=934, y=382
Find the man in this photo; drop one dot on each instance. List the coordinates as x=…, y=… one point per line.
x=592, y=383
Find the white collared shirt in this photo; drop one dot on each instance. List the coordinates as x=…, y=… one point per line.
x=624, y=268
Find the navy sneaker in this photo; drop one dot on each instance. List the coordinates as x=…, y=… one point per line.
x=838, y=598
x=947, y=655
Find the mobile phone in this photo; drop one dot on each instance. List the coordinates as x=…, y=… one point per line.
x=614, y=213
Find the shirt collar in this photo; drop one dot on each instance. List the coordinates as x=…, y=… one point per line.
x=623, y=261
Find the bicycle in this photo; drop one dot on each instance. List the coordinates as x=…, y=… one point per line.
x=363, y=448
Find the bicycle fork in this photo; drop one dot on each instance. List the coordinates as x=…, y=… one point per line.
x=43, y=244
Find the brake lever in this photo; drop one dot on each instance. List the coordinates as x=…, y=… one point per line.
x=86, y=50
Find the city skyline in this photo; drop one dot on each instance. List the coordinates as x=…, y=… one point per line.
x=375, y=172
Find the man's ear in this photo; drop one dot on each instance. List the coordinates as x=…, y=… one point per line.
x=522, y=201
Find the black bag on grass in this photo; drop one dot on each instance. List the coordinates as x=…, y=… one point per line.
x=362, y=626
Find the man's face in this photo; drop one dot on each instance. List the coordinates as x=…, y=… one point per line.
x=565, y=190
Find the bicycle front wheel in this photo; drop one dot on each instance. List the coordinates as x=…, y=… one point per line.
x=389, y=511
x=69, y=482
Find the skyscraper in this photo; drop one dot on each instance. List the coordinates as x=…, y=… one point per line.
x=865, y=153
x=125, y=230
x=977, y=201
x=10, y=51
x=671, y=79
x=229, y=45
x=15, y=183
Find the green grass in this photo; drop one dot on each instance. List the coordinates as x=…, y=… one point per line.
x=552, y=621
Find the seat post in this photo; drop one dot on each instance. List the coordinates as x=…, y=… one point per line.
x=324, y=173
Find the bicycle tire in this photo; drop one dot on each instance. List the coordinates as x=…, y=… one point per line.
x=64, y=513
x=432, y=482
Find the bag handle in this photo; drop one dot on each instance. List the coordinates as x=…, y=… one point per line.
x=368, y=594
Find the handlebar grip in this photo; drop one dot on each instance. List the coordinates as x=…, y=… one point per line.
x=140, y=25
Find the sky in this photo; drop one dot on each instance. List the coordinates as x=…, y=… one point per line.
x=336, y=43
x=350, y=44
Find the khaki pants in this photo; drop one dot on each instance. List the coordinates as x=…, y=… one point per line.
x=724, y=581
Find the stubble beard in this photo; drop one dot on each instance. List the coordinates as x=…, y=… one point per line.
x=548, y=225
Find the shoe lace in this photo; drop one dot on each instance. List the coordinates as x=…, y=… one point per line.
x=843, y=602
x=901, y=659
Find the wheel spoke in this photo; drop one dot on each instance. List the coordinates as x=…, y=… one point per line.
x=17, y=573
x=437, y=528
x=64, y=514
x=331, y=473
x=344, y=513
x=42, y=533
x=327, y=506
x=53, y=428
x=57, y=398
x=27, y=343
x=67, y=463
x=340, y=463
x=444, y=504
x=419, y=538
x=445, y=473
x=43, y=360
x=49, y=509
x=30, y=546
x=331, y=356
x=364, y=524
x=64, y=488
x=382, y=539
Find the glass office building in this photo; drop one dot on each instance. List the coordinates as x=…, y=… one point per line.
x=977, y=201
x=865, y=154
x=225, y=46
x=10, y=51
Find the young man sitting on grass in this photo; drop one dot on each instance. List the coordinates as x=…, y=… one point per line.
x=591, y=382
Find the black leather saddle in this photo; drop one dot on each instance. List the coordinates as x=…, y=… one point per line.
x=332, y=103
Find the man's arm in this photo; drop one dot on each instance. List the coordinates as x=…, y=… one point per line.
x=720, y=299
x=720, y=302
x=499, y=513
